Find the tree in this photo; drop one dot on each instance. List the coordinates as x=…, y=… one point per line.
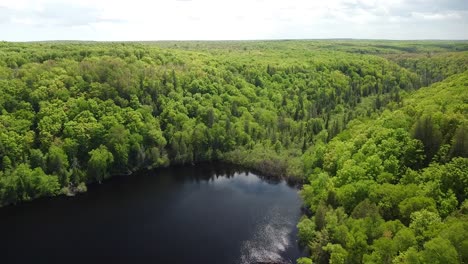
x=6, y=163
x=417, y=203
x=306, y=230
x=37, y=159
x=57, y=163
x=460, y=143
x=384, y=250
x=404, y=239
x=423, y=223
x=410, y=256
x=429, y=134
x=455, y=177
x=99, y=163
x=118, y=142
x=439, y=251
x=338, y=254
x=365, y=209
x=24, y=184
x=304, y=260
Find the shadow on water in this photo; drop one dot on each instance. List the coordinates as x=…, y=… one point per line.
x=205, y=213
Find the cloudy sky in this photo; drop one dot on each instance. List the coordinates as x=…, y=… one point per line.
x=26, y=20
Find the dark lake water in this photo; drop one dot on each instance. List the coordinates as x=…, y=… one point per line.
x=192, y=214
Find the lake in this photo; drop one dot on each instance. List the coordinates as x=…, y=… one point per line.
x=208, y=213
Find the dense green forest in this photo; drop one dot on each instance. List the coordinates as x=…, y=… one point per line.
x=392, y=189
x=376, y=130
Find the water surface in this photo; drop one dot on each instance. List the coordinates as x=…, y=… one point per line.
x=210, y=213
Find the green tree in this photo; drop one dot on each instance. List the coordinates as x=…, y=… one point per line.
x=439, y=251
x=338, y=254
x=37, y=159
x=404, y=239
x=57, y=163
x=429, y=134
x=424, y=223
x=417, y=203
x=99, y=163
x=460, y=143
x=118, y=142
x=306, y=230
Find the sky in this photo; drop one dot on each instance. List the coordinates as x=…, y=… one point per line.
x=116, y=20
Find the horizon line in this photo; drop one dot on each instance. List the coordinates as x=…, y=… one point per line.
x=233, y=40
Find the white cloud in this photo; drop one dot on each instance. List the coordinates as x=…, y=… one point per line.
x=231, y=19
x=438, y=16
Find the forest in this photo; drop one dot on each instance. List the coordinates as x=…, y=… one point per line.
x=376, y=132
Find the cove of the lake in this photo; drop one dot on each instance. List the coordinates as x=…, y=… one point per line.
x=207, y=213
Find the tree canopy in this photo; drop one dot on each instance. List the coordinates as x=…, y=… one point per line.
x=376, y=130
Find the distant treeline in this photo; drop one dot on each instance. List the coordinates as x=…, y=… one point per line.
x=385, y=166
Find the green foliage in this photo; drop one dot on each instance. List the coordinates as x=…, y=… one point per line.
x=306, y=230
x=99, y=163
x=439, y=251
x=24, y=183
x=404, y=239
x=304, y=261
x=423, y=224
x=337, y=253
x=384, y=161
x=57, y=164
x=398, y=178
x=413, y=204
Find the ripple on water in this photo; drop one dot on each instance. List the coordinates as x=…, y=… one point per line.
x=269, y=241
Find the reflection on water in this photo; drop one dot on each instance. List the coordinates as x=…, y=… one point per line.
x=270, y=240
x=210, y=213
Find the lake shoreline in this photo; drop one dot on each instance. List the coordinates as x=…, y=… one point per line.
x=164, y=210
x=266, y=174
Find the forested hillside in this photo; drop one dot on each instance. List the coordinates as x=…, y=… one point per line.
x=384, y=162
x=393, y=189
